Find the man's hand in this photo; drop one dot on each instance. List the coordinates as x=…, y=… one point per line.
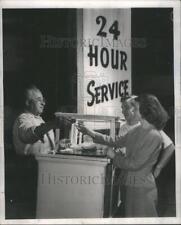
x=63, y=121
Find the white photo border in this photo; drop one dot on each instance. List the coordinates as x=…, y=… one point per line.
x=177, y=86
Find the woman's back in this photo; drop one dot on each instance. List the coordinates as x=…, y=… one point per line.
x=143, y=145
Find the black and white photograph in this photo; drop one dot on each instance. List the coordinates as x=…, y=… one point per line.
x=90, y=112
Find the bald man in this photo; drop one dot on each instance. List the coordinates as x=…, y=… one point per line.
x=31, y=135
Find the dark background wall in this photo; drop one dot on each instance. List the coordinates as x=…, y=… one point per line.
x=153, y=72
x=33, y=53
x=152, y=58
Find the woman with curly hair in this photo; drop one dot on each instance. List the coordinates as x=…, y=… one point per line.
x=143, y=145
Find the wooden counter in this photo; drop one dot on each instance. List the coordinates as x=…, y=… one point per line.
x=73, y=186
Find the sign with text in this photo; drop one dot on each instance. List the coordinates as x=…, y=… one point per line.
x=106, y=60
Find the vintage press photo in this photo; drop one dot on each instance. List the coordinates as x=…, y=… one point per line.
x=90, y=112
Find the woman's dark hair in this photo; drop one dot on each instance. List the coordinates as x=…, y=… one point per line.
x=151, y=110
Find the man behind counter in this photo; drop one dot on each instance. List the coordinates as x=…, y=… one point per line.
x=31, y=135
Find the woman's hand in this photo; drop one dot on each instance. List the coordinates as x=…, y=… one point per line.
x=110, y=153
x=82, y=128
x=157, y=171
x=64, y=143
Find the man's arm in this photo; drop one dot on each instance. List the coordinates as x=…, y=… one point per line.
x=164, y=158
x=30, y=134
x=166, y=153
